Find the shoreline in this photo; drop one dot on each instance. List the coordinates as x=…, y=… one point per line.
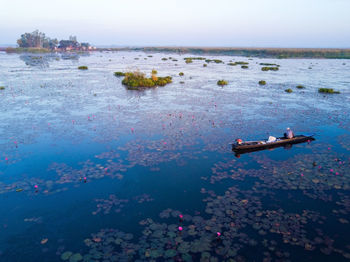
x=281, y=53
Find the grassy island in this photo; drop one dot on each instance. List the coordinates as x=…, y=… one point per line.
x=83, y=68
x=222, y=83
x=328, y=91
x=138, y=81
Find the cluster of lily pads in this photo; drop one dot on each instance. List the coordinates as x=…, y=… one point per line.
x=218, y=235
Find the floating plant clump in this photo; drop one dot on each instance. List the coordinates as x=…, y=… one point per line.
x=138, y=81
x=83, y=68
x=270, y=68
x=119, y=74
x=328, y=91
x=217, y=61
x=222, y=82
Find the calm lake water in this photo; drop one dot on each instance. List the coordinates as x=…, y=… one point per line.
x=90, y=171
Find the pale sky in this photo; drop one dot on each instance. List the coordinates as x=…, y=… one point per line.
x=230, y=23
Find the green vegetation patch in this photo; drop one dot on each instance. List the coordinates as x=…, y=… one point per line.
x=300, y=86
x=269, y=68
x=222, y=83
x=288, y=90
x=244, y=67
x=205, y=65
x=328, y=91
x=2, y=87
x=164, y=58
x=118, y=74
x=217, y=61
x=83, y=68
x=138, y=81
x=181, y=74
x=262, y=82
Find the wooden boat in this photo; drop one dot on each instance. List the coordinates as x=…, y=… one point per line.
x=251, y=146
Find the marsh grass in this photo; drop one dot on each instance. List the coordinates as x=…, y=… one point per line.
x=83, y=68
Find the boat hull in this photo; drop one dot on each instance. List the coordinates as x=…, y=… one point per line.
x=256, y=146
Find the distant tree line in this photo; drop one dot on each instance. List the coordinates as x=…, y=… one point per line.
x=38, y=39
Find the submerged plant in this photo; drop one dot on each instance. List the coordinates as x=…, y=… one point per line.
x=328, y=91
x=83, y=68
x=205, y=65
x=222, y=83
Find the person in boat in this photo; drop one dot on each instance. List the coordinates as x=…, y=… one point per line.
x=289, y=133
x=239, y=141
